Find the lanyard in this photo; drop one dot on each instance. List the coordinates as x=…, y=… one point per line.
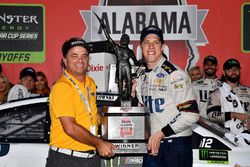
x=81, y=94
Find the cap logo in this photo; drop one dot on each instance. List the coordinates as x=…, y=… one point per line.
x=231, y=62
x=153, y=28
x=76, y=43
x=30, y=70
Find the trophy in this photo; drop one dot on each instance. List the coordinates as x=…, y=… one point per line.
x=125, y=124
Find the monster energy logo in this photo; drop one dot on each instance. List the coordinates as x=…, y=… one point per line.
x=213, y=156
x=203, y=154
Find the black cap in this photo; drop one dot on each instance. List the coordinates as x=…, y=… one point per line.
x=152, y=30
x=72, y=43
x=231, y=63
x=210, y=58
x=28, y=71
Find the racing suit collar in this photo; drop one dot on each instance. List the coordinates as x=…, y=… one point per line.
x=155, y=69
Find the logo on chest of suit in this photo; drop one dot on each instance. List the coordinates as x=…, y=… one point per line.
x=233, y=101
x=245, y=105
x=154, y=105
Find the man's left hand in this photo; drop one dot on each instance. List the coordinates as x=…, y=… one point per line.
x=154, y=143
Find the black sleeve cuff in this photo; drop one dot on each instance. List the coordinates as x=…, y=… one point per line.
x=167, y=131
x=227, y=116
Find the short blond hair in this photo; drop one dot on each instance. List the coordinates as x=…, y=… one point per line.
x=8, y=86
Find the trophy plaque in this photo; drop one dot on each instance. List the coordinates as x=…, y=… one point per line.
x=126, y=127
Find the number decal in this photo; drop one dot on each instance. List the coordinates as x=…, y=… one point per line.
x=206, y=143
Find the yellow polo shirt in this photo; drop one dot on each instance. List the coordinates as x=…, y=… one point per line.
x=65, y=100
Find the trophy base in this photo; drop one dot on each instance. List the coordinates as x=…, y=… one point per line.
x=126, y=127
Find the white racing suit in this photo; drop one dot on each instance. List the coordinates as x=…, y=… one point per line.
x=166, y=91
x=202, y=87
x=220, y=106
x=18, y=92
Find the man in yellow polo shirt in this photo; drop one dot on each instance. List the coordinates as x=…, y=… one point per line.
x=73, y=112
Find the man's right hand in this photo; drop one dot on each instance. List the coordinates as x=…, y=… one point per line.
x=244, y=117
x=241, y=116
x=105, y=149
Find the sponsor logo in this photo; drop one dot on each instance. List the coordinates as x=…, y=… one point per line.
x=178, y=86
x=154, y=105
x=133, y=160
x=126, y=127
x=158, y=82
x=160, y=75
x=166, y=68
x=25, y=19
x=126, y=109
x=95, y=68
x=22, y=33
x=214, y=156
x=175, y=79
x=14, y=57
x=30, y=36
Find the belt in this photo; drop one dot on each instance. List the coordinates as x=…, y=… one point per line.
x=87, y=154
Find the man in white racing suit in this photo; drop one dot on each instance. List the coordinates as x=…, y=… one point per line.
x=229, y=104
x=24, y=88
x=208, y=83
x=167, y=92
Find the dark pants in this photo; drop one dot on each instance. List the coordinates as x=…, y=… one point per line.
x=174, y=152
x=56, y=159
